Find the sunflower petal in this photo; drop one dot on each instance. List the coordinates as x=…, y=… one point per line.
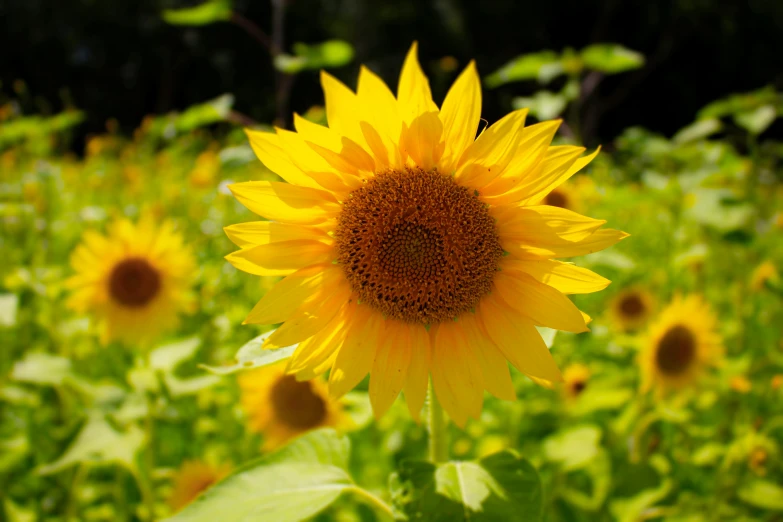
x=554, y=179
x=494, y=367
x=422, y=140
x=455, y=366
x=460, y=114
x=316, y=350
x=544, y=305
x=390, y=368
x=342, y=107
x=355, y=358
x=518, y=340
x=264, y=232
x=282, y=258
x=565, y=277
x=414, y=97
x=419, y=371
x=284, y=202
x=269, y=150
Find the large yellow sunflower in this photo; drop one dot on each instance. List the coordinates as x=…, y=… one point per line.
x=282, y=408
x=413, y=248
x=134, y=281
x=682, y=343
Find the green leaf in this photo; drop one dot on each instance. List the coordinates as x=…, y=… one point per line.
x=573, y=448
x=206, y=113
x=708, y=207
x=762, y=494
x=332, y=53
x=502, y=486
x=167, y=357
x=757, y=120
x=204, y=14
x=9, y=304
x=544, y=105
x=42, y=368
x=252, y=355
x=525, y=67
x=611, y=58
x=99, y=443
x=593, y=399
x=697, y=130
x=289, y=485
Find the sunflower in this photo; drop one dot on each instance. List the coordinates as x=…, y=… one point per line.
x=413, y=248
x=193, y=478
x=564, y=196
x=575, y=379
x=763, y=274
x=134, y=281
x=281, y=408
x=682, y=343
x=631, y=308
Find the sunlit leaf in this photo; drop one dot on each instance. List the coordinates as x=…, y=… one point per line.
x=167, y=357
x=289, y=485
x=9, y=304
x=498, y=487
x=252, y=355
x=525, y=67
x=757, y=120
x=206, y=13
x=99, y=443
x=573, y=448
x=42, y=368
x=332, y=53
x=207, y=113
x=697, y=130
x=611, y=58
x=763, y=494
x=544, y=105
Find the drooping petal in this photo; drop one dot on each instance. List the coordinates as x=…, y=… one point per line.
x=269, y=150
x=565, y=277
x=419, y=370
x=282, y=258
x=544, y=305
x=315, y=351
x=264, y=232
x=554, y=178
x=284, y=202
x=414, y=96
x=355, y=358
x=390, y=368
x=456, y=371
x=460, y=114
x=598, y=240
x=488, y=156
x=519, y=341
x=285, y=298
x=494, y=367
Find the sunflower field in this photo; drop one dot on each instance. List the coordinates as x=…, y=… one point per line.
x=389, y=308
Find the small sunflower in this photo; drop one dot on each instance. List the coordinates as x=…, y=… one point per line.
x=134, y=281
x=193, y=478
x=682, y=343
x=575, y=379
x=413, y=248
x=281, y=408
x=765, y=272
x=565, y=196
x=631, y=308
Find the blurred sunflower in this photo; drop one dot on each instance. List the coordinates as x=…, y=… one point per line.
x=565, y=196
x=765, y=272
x=411, y=247
x=281, y=408
x=631, y=308
x=682, y=343
x=193, y=478
x=575, y=379
x=134, y=281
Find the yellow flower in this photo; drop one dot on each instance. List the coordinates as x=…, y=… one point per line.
x=575, y=379
x=134, y=281
x=206, y=169
x=631, y=308
x=766, y=271
x=413, y=248
x=283, y=408
x=776, y=382
x=565, y=196
x=682, y=343
x=740, y=384
x=193, y=478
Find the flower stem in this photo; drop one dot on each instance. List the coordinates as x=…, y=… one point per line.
x=438, y=428
x=371, y=499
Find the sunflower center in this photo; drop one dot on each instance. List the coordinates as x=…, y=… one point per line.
x=416, y=246
x=676, y=350
x=296, y=405
x=134, y=282
x=632, y=306
x=556, y=199
x=578, y=387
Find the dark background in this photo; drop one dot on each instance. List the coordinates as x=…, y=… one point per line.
x=118, y=59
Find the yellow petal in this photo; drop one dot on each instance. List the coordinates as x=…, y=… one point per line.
x=390, y=368
x=565, y=277
x=284, y=202
x=315, y=166
x=531, y=150
x=544, y=305
x=264, y=232
x=488, y=156
x=268, y=148
x=422, y=141
x=357, y=353
x=379, y=109
x=312, y=317
x=316, y=350
x=460, y=114
x=285, y=298
x=340, y=152
x=342, y=108
x=494, y=367
x=419, y=371
x=281, y=258
x=553, y=178
x=414, y=97
x=599, y=240
x=556, y=163
x=517, y=339
x=458, y=370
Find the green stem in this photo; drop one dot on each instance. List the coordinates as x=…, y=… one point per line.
x=374, y=501
x=148, y=486
x=439, y=435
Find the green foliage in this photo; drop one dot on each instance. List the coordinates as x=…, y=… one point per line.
x=502, y=486
x=611, y=58
x=203, y=14
x=252, y=355
x=326, y=55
